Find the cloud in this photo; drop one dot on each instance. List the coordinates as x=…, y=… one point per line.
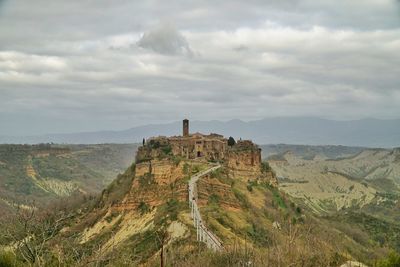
x=96, y=66
x=165, y=39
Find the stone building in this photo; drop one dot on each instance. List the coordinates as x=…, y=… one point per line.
x=213, y=147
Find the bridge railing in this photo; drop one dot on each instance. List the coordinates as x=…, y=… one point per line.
x=202, y=232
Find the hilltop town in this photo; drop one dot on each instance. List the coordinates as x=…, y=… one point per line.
x=242, y=158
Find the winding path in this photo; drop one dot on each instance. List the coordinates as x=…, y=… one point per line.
x=203, y=234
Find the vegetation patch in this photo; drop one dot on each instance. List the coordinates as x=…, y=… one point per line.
x=118, y=189
x=168, y=212
x=278, y=200
x=259, y=234
x=143, y=208
x=243, y=200
x=213, y=199
x=265, y=167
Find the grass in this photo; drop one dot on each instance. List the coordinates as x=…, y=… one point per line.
x=278, y=199
x=169, y=211
x=117, y=190
x=8, y=259
x=242, y=198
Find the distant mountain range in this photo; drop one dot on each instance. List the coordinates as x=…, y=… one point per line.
x=289, y=130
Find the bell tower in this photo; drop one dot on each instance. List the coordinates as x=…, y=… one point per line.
x=185, y=127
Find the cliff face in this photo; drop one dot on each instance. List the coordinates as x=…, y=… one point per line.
x=155, y=181
x=244, y=162
x=163, y=172
x=160, y=175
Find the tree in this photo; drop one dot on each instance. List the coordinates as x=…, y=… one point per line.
x=144, y=141
x=31, y=230
x=231, y=141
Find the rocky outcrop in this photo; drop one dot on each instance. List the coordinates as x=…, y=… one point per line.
x=163, y=172
x=154, y=183
x=244, y=162
x=159, y=174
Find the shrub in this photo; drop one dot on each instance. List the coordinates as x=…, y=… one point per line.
x=259, y=234
x=231, y=141
x=265, y=167
x=393, y=260
x=167, y=150
x=250, y=187
x=143, y=207
x=7, y=259
x=154, y=144
x=298, y=210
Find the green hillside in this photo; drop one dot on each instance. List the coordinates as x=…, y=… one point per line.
x=38, y=173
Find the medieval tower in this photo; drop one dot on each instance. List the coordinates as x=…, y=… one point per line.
x=185, y=127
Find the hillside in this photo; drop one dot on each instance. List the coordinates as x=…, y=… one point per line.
x=288, y=130
x=39, y=173
x=144, y=216
x=333, y=184
x=310, y=152
x=359, y=191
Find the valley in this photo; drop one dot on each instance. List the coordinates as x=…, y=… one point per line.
x=368, y=177
x=41, y=173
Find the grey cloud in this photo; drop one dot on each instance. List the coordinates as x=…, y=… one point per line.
x=98, y=66
x=165, y=39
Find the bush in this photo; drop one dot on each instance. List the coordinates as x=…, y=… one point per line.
x=259, y=234
x=154, y=144
x=231, y=141
x=393, y=260
x=167, y=150
x=250, y=187
x=265, y=167
x=7, y=259
x=298, y=210
x=143, y=207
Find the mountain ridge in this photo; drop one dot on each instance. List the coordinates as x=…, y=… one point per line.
x=290, y=130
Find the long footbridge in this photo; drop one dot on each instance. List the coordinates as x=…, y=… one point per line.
x=202, y=232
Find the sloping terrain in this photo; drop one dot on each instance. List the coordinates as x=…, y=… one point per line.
x=39, y=173
x=140, y=213
x=361, y=190
x=145, y=212
x=143, y=216
x=310, y=152
x=334, y=184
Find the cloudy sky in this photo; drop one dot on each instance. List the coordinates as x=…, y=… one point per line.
x=86, y=65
